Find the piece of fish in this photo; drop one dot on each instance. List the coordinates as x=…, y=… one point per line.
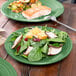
x=36, y=12
x=17, y=41
x=51, y=35
x=29, y=49
x=54, y=50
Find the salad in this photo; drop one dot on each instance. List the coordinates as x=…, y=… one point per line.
x=21, y=5
x=37, y=43
x=18, y=6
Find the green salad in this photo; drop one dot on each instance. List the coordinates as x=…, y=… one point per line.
x=37, y=43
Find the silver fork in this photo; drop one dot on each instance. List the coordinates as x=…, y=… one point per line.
x=53, y=18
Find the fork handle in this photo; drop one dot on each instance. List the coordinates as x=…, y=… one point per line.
x=66, y=26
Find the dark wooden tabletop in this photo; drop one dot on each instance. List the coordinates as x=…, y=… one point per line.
x=66, y=67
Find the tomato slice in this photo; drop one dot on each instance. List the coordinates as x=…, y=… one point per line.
x=18, y=48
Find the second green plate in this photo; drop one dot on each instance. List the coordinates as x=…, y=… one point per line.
x=6, y=69
x=57, y=10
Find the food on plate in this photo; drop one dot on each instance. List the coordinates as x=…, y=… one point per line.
x=25, y=1
x=18, y=6
x=29, y=49
x=36, y=32
x=36, y=11
x=51, y=35
x=37, y=43
x=21, y=5
x=33, y=1
x=29, y=8
x=17, y=41
x=29, y=1
x=54, y=50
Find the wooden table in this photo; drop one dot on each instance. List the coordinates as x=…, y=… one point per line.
x=66, y=67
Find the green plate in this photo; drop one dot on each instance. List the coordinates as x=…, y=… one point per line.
x=6, y=69
x=49, y=60
x=57, y=10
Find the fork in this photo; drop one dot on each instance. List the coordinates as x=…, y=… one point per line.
x=53, y=18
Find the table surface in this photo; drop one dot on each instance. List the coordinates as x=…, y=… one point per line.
x=66, y=67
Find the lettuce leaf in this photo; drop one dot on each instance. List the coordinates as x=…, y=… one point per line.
x=63, y=35
x=55, y=40
x=24, y=56
x=24, y=45
x=14, y=36
x=44, y=49
x=35, y=54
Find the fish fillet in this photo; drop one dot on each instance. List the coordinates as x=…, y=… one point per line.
x=35, y=12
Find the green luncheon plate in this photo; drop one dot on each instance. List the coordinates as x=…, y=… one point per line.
x=57, y=10
x=48, y=60
x=6, y=69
